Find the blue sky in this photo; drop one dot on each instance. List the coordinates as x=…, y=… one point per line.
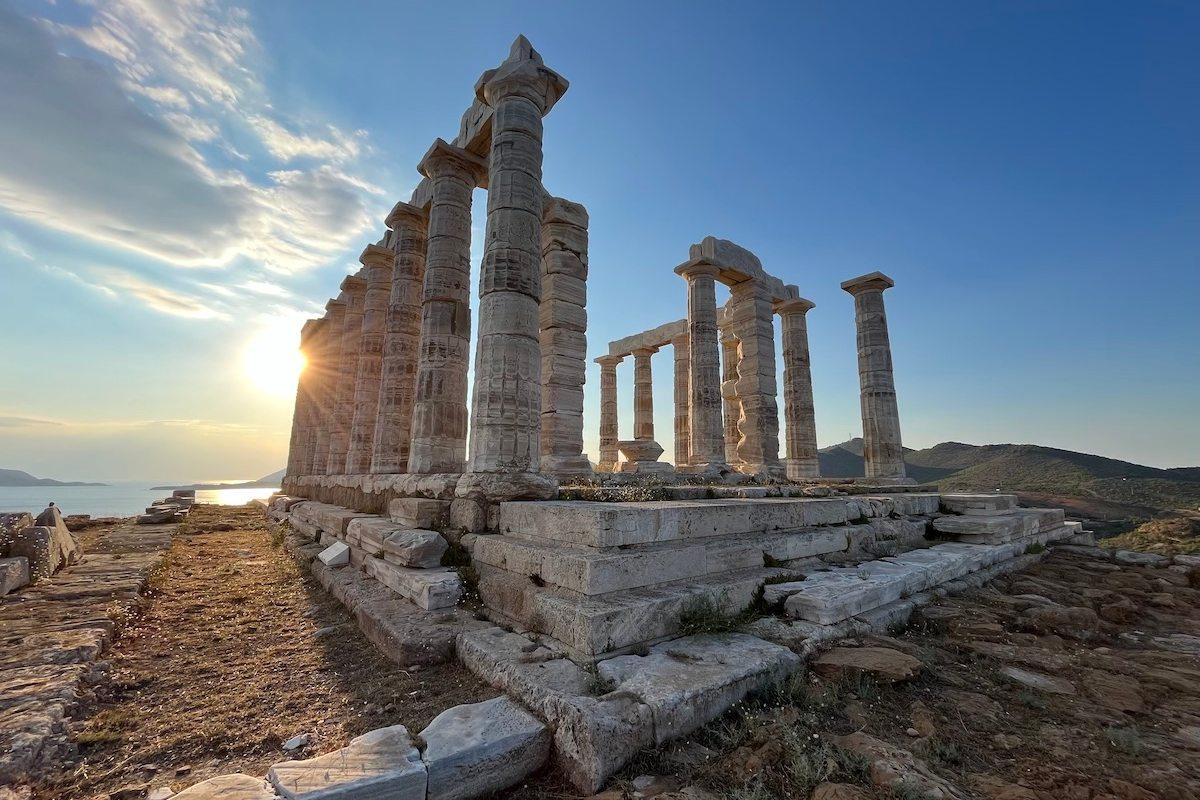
x=183, y=180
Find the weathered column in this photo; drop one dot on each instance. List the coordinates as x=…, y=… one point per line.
x=326, y=373
x=354, y=289
x=643, y=393
x=608, y=412
x=732, y=408
x=439, y=420
x=300, y=447
x=562, y=318
x=754, y=323
x=707, y=444
x=393, y=423
x=683, y=445
x=883, y=452
x=506, y=406
x=377, y=269
x=798, y=411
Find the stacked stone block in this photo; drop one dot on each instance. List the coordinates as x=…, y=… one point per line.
x=377, y=270
x=354, y=289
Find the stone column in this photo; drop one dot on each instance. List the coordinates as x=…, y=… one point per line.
x=439, y=420
x=377, y=269
x=506, y=406
x=707, y=443
x=753, y=321
x=798, y=409
x=329, y=351
x=562, y=318
x=300, y=449
x=883, y=452
x=393, y=424
x=683, y=445
x=732, y=408
x=609, y=433
x=643, y=393
x=354, y=289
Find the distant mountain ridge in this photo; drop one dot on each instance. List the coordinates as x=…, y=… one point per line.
x=265, y=482
x=15, y=477
x=1032, y=468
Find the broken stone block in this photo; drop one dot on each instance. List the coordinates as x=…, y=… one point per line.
x=14, y=573
x=881, y=663
x=229, y=787
x=415, y=548
x=420, y=512
x=428, y=588
x=481, y=748
x=595, y=737
x=47, y=549
x=336, y=555
x=380, y=765
x=978, y=503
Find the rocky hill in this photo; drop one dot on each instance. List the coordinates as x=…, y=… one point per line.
x=15, y=477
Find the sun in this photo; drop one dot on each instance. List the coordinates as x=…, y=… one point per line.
x=272, y=360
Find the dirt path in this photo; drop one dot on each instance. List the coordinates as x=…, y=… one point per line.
x=238, y=652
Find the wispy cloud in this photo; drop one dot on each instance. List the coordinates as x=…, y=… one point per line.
x=26, y=422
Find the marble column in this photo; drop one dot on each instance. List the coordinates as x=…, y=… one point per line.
x=707, y=445
x=732, y=408
x=354, y=290
x=377, y=269
x=683, y=445
x=643, y=393
x=609, y=431
x=506, y=406
x=753, y=321
x=393, y=423
x=439, y=419
x=562, y=319
x=329, y=350
x=300, y=449
x=883, y=453
x=798, y=412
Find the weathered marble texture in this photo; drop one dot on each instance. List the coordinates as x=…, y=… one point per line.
x=609, y=432
x=326, y=373
x=707, y=442
x=643, y=393
x=683, y=445
x=752, y=320
x=377, y=269
x=732, y=409
x=798, y=411
x=354, y=289
x=397, y=390
x=439, y=421
x=883, y=452
x=300, y=449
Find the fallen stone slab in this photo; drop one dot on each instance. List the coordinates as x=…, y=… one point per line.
x=14, y=573
x=235, y=786
x=335, y=555
x=881, y=663
x=1132, y=558
x=689, y=682
x=481, y=748
x=421, y=549
x=957, y=503
x=1038, y=681
x=1000, y=527
x=380, y=765
x=428, y=588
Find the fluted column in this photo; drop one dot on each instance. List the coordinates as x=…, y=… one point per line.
x=883, y=452
x=707, y=442
x=798, y=411
x=439, y=420
x=377, y=269
x=609, y=433
x=354, y=289
x=683, y=444
x=643, y=393
x=329, y=349
x=300, y=448
x=753, y=321
x=506, y=406
x=732, y=408
x=393, y=423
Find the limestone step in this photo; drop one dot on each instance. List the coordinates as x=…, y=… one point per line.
x=977, y=503
x=428, y=588
x=323, y=517
x=1000, y=528
x=592, y=571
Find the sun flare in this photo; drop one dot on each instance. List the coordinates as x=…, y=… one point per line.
x=272, y=360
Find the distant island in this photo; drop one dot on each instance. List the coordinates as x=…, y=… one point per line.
x=265, y=482
x=15, y=477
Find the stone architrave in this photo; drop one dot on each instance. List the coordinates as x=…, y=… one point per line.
x=377, y=269
x=683, y=445
x=707, y=443
x=608, y=412
x=883, y=453
x=732, y=408
x=439, y=420
x=300, y=451
x=506, y=407
x=563, y=337
x=354, y=290
x=643, y=393
x=798, y=411
x=325, y=373
x=753, y=321
x=393, y=424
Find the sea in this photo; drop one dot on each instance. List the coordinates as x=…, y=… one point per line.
x=118, y=499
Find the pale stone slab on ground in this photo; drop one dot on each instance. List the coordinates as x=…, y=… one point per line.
x=481, y=748
x=1036, y=680
x=956, y=503
x=14, y=573
x=229, y=787
x=336, y=555
x=1006, y=527
x=689, y=682
x=428, y=588
x=380, y=765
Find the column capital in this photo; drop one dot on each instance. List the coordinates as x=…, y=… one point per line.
x=872, y=281
x=558, y=209
x=374, y=255
x=403, y=212
x=353, y=284
x=797, y=305
x=609, y=361
x=697, y=267
x=334, y=306
x=523, y=74
x=643, y=352
x=444, y=159
x=309, y=329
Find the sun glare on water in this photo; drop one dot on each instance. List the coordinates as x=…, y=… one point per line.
x=272, y=359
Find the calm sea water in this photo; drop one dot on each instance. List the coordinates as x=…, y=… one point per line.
x=117, y=500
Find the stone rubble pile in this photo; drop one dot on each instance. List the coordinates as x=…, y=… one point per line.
x=32, y=549
x=169, y=509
